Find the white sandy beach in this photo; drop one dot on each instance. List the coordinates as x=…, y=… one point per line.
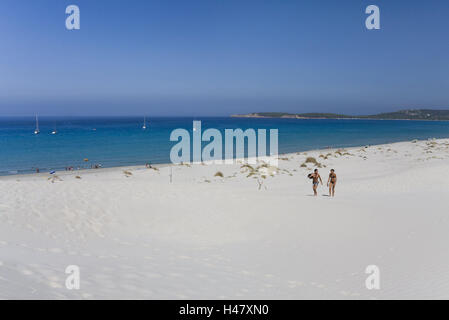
x=137, y=235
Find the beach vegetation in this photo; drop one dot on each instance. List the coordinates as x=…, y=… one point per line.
x=54, y=178
x=247, y=167
x=311, y=160
x=252, y=173
x=325, y=157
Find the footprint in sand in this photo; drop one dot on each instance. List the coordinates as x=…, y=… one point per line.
x=131, y=276
x=107, y=269
x=127, y=267
x=55, y=285
x=54, y=282
x=30, y=227
x=153, y=275
x=27, y=272
x=246, y=273
x=128, y=287
x=53, y=279
x=175, y=275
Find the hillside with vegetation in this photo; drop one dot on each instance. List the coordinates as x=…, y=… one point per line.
x=410, y=114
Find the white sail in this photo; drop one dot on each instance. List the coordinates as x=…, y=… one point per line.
x=36, y=131
x=54, y=130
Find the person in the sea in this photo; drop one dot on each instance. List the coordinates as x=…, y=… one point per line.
x=331, y=182
x=316, y=179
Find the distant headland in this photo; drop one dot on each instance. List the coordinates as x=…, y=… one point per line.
x=410, y=114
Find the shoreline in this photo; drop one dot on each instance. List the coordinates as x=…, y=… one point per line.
x=135, y=147
x=164, y=165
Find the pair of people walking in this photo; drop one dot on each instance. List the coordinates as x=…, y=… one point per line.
x=331, y=182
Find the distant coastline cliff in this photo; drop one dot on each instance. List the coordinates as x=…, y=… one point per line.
x=410, y=114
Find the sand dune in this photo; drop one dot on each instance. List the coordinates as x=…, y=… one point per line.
x=256, y=233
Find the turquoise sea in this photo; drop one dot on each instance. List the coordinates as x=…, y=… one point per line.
x=122, y=141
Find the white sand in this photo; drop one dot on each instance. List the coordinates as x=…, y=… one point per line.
x=205, y=237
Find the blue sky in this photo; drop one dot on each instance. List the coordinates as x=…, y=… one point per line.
x=219, y=57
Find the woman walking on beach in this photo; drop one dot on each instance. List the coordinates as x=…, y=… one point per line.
x=331, y=182
x=316, y=181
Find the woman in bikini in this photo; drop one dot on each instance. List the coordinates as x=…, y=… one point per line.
x=331, y=182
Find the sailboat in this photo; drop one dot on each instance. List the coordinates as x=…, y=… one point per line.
x=144, y=123
x=36, y=131
x=54, y=130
